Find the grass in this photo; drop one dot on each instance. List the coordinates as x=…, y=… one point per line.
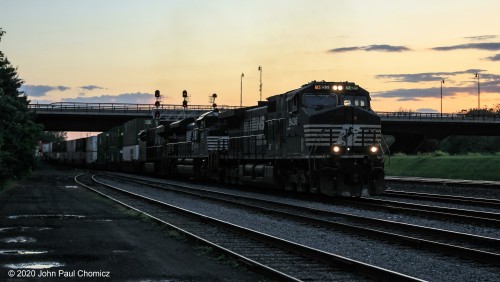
x=442, y=165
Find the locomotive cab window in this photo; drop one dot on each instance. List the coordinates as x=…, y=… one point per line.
x=321, y=100
x=292, y=104
x=357, y=101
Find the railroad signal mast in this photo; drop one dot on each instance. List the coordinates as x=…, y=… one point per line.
x=157, y=105
x=186, y=99
x=212, y=101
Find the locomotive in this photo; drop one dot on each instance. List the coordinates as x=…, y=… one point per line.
x=320, y=138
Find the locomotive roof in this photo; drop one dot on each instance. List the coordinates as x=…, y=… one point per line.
x=181, y=123
x=326, y=86
x=208, y=114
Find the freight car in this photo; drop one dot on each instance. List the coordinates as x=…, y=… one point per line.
x=320, y=138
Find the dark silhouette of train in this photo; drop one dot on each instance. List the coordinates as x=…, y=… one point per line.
x=320, y=138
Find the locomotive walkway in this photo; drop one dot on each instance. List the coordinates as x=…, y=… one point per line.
x=57, y=231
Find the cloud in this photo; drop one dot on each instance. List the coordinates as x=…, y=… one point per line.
x=379, y=48
x=481, y=37
x=90, y=87
x=41, y=90
x=424, y=77
x=125, y=98
x=490, y=83
x=490, y=46
x=494, y=58
x=414, y=94
x=427, y=110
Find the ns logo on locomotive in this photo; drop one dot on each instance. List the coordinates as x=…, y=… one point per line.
x=320, y=138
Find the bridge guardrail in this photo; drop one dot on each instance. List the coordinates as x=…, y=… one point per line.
x=142, y=108
x=439, y=116
x=114, y=107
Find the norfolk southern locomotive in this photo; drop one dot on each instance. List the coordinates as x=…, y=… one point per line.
x=320, y=138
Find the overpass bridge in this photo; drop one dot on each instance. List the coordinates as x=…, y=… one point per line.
x=410, y=129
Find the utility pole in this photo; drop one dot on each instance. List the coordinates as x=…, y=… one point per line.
x=478, y=93
x=260, y=87
x=241, y=89
x=442, y=82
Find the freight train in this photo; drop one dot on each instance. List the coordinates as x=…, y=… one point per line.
x=320, y=138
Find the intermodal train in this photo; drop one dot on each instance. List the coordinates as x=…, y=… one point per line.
x=320, y=138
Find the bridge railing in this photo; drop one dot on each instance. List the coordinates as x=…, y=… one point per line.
x=439, y=116
x=113, y=107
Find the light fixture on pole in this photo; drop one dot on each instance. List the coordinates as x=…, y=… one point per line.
x=260, y=87
x=241, y=89
x=478, y=93
x=442, y=82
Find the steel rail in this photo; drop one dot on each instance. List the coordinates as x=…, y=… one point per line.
x=441, y=181
x=461, y=215
x=312, y=218
x=260, y=268
x=484, y=202
x=333, y=260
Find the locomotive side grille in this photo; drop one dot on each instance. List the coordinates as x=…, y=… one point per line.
x=321, y=134
x=368, y=135
x=350, y=135
x=217, y=142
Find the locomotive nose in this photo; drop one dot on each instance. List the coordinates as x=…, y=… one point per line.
x=352, y=115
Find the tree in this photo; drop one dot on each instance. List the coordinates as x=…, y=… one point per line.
x=18, y=133
x=53, y=136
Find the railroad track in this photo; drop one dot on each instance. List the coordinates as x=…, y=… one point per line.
x=479, y=248
x=451, y=199
x=480, y=218
x=457, y=182
x=282, y=259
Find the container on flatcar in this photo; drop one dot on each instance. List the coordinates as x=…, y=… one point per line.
x=91, y=150
x=131, y=130
x=114, y=138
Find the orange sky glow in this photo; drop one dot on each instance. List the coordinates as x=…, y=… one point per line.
x=121, y=51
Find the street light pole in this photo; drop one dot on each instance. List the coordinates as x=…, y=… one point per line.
x=241, y=89
x=442, y=82
x=478, y=93
x=260, y=87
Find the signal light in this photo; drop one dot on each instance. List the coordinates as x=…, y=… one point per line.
x=184, y=104
x=157, y=114
x=157, y=104
x=184, y=94
x=157, y=93
x=214, y=105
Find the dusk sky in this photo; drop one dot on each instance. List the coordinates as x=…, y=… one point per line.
x=123, y=50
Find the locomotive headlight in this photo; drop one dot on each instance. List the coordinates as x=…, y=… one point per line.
x=373, y=149
x=336, y=149
x=335, y=87
x=340, y=87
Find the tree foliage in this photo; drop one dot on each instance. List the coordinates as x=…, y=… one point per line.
x=18, y=133
x=456, y=145
x=53, y=136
